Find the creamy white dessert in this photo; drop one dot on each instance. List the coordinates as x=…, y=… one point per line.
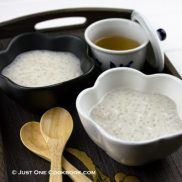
x=135, y=116
x=42, y=68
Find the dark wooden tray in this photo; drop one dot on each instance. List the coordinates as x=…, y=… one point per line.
x=13, y=116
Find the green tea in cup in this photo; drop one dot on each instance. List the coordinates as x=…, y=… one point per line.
x=118, y=43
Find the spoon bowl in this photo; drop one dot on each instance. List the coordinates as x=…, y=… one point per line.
x=33, y=140
x=56, y=123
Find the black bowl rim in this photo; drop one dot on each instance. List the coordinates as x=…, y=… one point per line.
x=49, y=37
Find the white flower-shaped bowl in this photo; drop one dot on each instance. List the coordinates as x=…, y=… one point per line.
x=131, y=153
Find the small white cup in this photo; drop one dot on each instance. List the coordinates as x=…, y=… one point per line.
x=134, y=58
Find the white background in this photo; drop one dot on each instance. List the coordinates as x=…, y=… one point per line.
x=165, y=14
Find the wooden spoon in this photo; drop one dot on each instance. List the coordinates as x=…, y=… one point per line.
x=56, y=126
x=33, y=140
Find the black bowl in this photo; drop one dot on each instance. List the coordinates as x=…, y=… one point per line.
x=42, y=98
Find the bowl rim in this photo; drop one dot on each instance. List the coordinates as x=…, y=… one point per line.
x=109, y=51
x=48, y=38
x=110, y=137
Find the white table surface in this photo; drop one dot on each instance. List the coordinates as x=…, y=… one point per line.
x=165, y=14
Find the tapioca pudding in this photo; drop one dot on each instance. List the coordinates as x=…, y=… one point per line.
x=131, y=115
x=42, y=68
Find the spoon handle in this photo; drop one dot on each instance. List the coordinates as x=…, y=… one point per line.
x=77, y=176
x=56, y=164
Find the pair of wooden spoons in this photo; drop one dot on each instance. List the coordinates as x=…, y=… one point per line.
x=48, y=140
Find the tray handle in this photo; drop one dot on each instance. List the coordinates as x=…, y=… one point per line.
x=60, y=23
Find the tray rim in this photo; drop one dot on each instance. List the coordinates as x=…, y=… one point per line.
x=64, y=10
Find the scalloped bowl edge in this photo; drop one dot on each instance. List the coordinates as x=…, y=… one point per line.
x=130, y=153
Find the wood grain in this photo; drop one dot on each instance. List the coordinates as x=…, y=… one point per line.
x=56, y=126
x=13, y=116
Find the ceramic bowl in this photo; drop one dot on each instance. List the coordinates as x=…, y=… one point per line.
x=42, y=98
x=131, y=153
